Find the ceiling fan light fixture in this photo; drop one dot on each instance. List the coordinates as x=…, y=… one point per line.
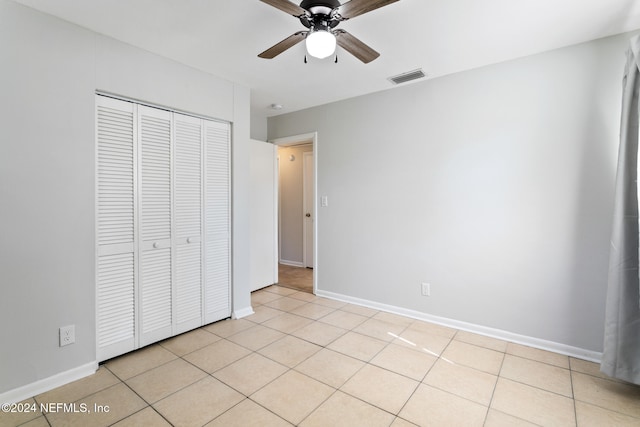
x=321, y=17
x=320, y=44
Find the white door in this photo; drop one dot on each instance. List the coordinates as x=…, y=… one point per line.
x=155, y=291
x=187, y=197
x=115, y=227
x=217, y=224
x=263, y=215
x=309, y=212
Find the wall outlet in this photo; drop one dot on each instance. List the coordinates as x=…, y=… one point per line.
x=426, y=289
x=67, y=335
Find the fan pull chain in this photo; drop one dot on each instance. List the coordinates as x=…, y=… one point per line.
x=335, y=60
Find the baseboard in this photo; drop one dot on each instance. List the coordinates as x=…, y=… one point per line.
x=46, y=384
x=555, y=347
x=291, y=263
x=243, y=312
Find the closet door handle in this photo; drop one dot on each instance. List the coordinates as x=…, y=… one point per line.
x=156, y=245
x=189, y=240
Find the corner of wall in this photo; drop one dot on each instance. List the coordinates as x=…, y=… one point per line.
x=240, y=183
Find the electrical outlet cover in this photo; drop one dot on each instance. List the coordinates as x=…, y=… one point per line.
x=426, y=289
x=67, y=335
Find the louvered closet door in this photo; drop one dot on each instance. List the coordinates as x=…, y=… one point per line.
x=115, y=234
x=155, y=206
x=217, y=274
x=188, y=222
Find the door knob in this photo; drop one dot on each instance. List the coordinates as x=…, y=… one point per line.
x=156, y=245
x=189, y=240
x=308, y=215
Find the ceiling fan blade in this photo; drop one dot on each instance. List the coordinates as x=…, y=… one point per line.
x=285, y=44
x=354, y=8
x=355, y=47
x=286, y=6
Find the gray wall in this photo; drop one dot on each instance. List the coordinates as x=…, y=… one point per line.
x=258, y=127
x=494, y=185
x=50, y=72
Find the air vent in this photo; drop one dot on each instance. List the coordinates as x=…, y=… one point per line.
x=408, y=76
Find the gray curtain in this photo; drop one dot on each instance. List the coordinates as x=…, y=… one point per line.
x=621, y=356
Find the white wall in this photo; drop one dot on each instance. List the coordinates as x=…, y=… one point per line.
x=241, y=184
x=50, y=72
x=494, y=185
x=263, y=215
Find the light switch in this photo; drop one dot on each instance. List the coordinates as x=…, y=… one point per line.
x=324, y=201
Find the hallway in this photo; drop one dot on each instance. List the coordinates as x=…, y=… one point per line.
x=299, y=278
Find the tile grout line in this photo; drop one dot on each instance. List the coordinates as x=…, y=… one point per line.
x=419, y=382
x=613, y=381
x=573, y=394
x=495, y=386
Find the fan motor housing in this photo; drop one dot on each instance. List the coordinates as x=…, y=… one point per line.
x=320, y=11
x=309, y=4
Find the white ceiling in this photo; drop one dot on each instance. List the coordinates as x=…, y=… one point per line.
x=223, y=37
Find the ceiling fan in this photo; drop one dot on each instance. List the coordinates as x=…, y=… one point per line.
x=321, y=17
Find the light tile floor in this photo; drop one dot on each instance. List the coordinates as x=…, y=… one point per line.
x=311, y=361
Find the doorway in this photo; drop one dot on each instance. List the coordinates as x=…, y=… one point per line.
x=295, y=201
